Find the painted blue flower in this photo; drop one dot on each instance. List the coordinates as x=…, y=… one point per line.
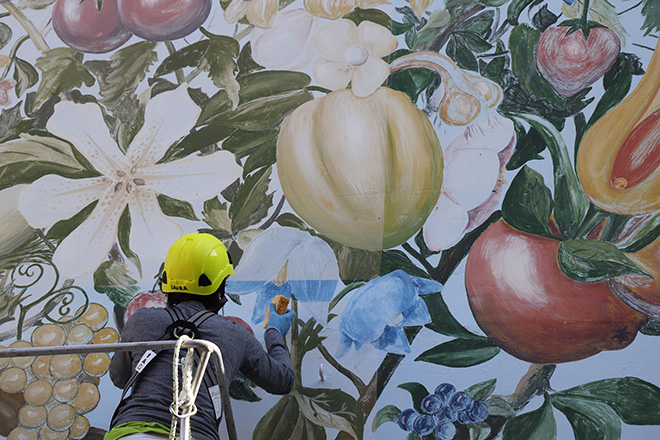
x=377, y=312
x=569, y=2
x=285, y=261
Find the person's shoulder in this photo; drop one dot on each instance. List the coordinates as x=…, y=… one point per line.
x=235, y=324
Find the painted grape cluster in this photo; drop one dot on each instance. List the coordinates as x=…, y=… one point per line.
x=58, y=389
x=440, y=410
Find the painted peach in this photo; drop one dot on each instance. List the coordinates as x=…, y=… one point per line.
x=163, y=20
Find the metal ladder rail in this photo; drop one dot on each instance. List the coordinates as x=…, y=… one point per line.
x=208, y=348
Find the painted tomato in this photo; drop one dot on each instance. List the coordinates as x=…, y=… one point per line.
x=571, y=63
x=618, y=161
x=82, y=26
x=523, y=301
x=365, y=172
x=163, y=20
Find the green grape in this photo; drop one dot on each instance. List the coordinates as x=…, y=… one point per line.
x=61, y=417
x=66, y=390
x=32, y=416
x=48, y=335
x=45, y=433
x=13, y=380
x=38, y=392
x=24, y=361
x=106, y=335
x=41, y=368
x=87, y=399
x=96, y=317
x=96, y=364
x=4, y=362
x=80, y=334
x=65, y=366
x=20, y=433
x=79, y=428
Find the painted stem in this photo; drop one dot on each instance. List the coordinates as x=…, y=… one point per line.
x=32, y=31
x=180, y=77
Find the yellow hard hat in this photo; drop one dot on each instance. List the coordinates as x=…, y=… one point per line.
x=197, y=264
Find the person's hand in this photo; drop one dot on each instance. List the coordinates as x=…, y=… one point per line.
x=281, y=323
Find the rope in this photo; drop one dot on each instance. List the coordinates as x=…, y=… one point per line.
x=183, y=404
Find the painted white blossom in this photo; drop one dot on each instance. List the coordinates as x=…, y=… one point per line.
x=133, y=179
x=260, y=13
x=289, y=44
x=353, y=54
x=472, y=181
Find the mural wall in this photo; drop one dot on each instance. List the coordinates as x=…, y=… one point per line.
x=460, y=198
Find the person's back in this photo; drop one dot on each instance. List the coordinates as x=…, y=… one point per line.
x=147, y=408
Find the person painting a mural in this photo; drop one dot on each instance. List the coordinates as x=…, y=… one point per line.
x=194, y=278
x=461, y=192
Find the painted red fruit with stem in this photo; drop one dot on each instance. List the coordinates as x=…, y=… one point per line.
x=163, y=20
x=570, y=62
x=82, y=26
x=527, y=306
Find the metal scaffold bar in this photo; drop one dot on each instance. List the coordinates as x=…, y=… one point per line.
x=206, y=347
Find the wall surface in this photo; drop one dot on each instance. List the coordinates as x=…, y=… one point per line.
x=460, y=198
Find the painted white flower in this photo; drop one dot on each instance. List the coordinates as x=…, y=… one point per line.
x=334, y=9
x=353, y=54
x=286, y=261
x=472, y=181
x=260, y=13
x=289, y=44
x=132, y=179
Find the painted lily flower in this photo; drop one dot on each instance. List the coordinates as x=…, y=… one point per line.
x=472, y=180
x=260, y=13
x=378, y=310
x=133, y=179
x=353, y=54
x=285, y=261
x=289, y=44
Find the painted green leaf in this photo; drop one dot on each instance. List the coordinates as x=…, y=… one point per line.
x=417, y=392
x=459, y=353
x=252, y=201
x=643, y=236
x=516, y=7
x=527, y=204
x=123, y=72
x=619, y=86
x=188, y=56
x=493, y=2
x=571, y=203
x=388, y=413
x=410, y=81
x=243, y=142
x=305, y=429
x=394, y=259
x=536, y=425
x=63, y=228
x=245, y=62
x=28, y=158
x=5, y=35
x=113, y=278
x=215, y=215
x=590, y=419
x=123, y=237
x=279, y=422
x=522, y=44
x=25, y=76
x=270, y=83
x=176, y=208
x=651, y=13
x=591, y=261
x=333, y=409
x=9, y=119
x=221, y=64
x=377, y=16
x=529, y=145
x=442, y=321
x=35, y=4
x=474, y=41
x=264, y=156
x=62, y=71
x=463, y=55
x=637, y=402
x=199, y=139
x=482, y=390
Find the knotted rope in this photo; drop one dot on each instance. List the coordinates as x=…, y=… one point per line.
x=183, y=404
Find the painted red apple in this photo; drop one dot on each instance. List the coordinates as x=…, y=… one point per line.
x=82, y=26
x=523, y=301
x=163, y=20
x=570, y=62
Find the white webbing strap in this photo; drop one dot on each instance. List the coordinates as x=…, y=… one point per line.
x=183, y=404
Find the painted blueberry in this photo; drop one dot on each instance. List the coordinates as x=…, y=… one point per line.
x=406, y=419
x=423, y=424
x=448, y=413
x=464, y=417
x=478, y=411
x=460, y=401
x=445, y=431
x=445, y=390
x=432, y=403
